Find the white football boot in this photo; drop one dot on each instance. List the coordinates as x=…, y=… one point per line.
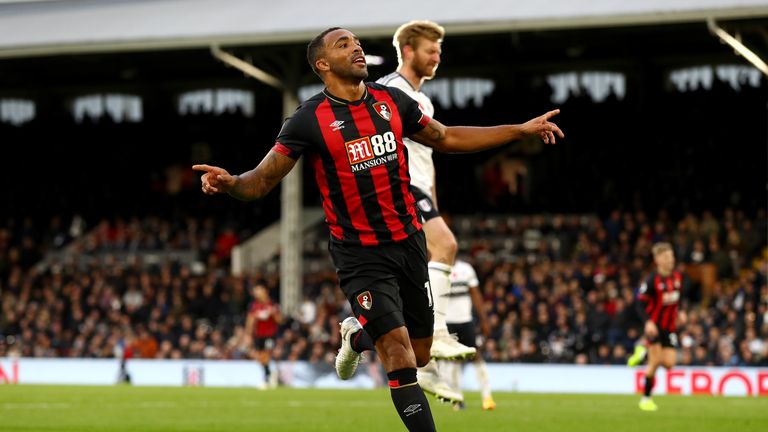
x=430, y=381
x=446, y=346
x=347, y=359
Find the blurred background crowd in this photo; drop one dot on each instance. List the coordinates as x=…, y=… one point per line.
x=108, y=248
x=556, y=288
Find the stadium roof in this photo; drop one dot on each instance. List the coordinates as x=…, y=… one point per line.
x=32, y=28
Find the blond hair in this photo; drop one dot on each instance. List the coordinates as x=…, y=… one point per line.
x=410, y=32
x=660, y=248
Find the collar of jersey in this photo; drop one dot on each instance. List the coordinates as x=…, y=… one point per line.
x=344, y=101
x=406, y=80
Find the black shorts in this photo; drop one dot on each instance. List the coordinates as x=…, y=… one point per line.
x=425, y=205
x=264, y=343
x=387, y=285
x=667, y=339
x=465, y=332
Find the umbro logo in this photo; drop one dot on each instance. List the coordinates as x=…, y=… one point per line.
x=412, y=409
x=337, y=125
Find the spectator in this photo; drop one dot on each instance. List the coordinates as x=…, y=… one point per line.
x=570, y=306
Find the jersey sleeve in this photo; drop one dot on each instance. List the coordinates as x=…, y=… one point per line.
x=646, y=291
x=413, y=119
x=472, y=280
x=645, y=295
x=294, y=138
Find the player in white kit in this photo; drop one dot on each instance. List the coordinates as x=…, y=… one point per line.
x=418, y=45
x=463, y=295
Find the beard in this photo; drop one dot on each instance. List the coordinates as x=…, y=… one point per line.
x=350, y=72
x=425, y=70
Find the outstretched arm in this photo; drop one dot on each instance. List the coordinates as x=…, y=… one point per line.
x=462, y=139
x=250, y=185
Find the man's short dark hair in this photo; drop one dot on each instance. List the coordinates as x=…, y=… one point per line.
x=315, y=47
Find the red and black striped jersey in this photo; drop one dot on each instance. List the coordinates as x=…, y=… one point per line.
x=661, y=296
x=360, y=163
x=265, y=324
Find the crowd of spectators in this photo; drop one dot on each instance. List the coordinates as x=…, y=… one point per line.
x=557, y=289
x=563, y=291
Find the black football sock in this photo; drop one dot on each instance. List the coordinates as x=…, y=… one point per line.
x=361, y=341
x=409, y=400
x=649, y=382
x=267, y=372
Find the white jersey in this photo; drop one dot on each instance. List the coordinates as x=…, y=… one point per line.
x=421, y=167
x=459, y=309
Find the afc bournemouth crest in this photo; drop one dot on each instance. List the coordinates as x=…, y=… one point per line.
x=383, y=110
x=365, y=300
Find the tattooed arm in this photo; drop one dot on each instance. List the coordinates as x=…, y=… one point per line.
x=461, y=139
x=249, y=185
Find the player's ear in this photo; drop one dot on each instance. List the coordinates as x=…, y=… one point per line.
x=407, y=52
x=322, y=64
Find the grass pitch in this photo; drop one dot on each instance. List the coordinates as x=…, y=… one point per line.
x=125, y=408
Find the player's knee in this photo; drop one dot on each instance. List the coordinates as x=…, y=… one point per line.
x=398, y=353
x=421, y=349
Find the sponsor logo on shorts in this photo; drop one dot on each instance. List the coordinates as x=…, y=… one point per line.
x=365, y=300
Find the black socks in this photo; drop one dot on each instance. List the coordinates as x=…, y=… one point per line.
x=361, y=341
x=649, y=382
x=409, y=400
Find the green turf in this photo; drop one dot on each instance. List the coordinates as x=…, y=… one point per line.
x=125, y=408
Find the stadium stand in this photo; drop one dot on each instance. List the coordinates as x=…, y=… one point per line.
x=125, y=258
x=558, y=288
